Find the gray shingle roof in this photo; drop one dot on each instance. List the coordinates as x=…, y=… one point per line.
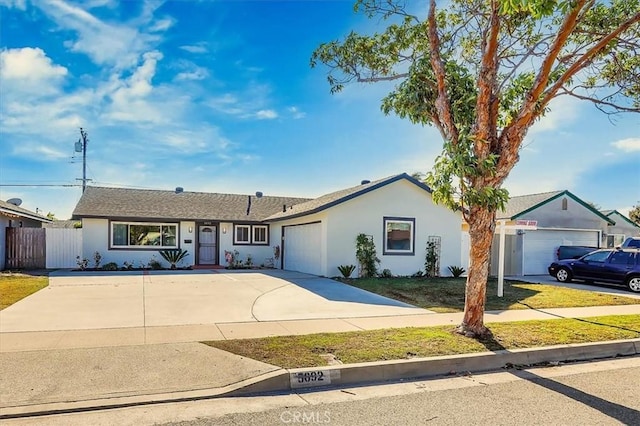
x=522, y=203
x=329, y=200
x=13, y=209
x=154, y=204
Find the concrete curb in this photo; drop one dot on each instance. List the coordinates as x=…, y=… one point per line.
x=420, y=368
x=321, y=378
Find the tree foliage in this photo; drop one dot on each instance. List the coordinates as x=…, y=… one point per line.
x=634, y=214
x=482, y=72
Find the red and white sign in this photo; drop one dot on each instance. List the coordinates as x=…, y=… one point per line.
x=525, y=222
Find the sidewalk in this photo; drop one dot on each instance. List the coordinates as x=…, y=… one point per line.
x=44, y=371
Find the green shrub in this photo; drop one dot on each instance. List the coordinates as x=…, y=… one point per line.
x=346, y=270
x=456, y=271
x=111, y=266
x=154, y=264
x=386, y=273
x=173, y=256
x=367, y=256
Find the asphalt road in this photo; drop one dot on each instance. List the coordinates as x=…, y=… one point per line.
x=597, y=393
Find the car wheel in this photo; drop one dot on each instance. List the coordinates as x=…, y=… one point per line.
x=634, y=284
x=563, y=275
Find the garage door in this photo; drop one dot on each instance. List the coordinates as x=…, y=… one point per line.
x=540, y=247
x=302, y=248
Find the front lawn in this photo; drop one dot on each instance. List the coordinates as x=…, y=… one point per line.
x=404, y=343
x=447, y=294
x=14, y=287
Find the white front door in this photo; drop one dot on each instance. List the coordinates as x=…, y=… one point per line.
x=207, y=245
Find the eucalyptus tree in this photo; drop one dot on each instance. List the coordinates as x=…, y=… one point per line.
x=482, y=72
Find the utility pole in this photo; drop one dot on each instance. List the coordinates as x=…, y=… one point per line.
x=81, y=146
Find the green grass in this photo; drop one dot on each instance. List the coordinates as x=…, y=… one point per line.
x=15, y=287
x=404, y=343
x=447, y=294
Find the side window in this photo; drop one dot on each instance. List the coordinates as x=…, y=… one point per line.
x=597, y=257
x=622, y=258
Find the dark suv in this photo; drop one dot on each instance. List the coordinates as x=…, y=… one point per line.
x=616, y=266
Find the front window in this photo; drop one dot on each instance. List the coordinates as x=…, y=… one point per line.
x=260, y=234
x=399, y=235
x=241, y=234
x=142, y=235
x=251, y=234
x=614, y=240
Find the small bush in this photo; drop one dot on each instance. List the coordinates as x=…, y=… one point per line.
x=346, y=270
x=154, y=264
x=82, y=263
x=97, y=258
x=456, y=271
x=418, y=274
x=386, y=273
x=111, y=266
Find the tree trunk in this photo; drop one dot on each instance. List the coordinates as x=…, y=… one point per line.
x=481, y=229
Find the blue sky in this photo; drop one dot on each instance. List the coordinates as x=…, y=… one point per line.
x=219, y=96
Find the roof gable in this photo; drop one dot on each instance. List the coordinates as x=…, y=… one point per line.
x=334, y=198
x=610, y=213
x=520, y=205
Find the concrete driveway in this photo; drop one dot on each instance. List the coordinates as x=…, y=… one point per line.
x=90, y=300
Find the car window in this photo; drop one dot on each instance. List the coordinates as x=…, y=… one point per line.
x=598, y=256
x=622, y=258
x=634, y=243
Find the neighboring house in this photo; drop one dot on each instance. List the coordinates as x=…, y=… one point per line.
x=312, y=235
x=623, y=228
x=14, y=216
x=562, y=219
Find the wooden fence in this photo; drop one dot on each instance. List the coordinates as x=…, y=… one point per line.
x=26, y=248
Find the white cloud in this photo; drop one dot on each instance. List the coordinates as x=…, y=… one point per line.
x=29, y=64
x=296, y=114
x=18, y=4
x=266, y=114
x=113, y=44
x=197, y=48
x=563, y=112
x=628, y=145
x=193, y=72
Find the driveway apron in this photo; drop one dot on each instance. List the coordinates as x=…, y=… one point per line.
x=85, y=301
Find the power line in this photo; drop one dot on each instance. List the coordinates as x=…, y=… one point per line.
x=66, y=185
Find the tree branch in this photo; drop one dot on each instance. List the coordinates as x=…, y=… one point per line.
x=597, y=101
x=486, y=104
x=584, y=60
x=442, y=103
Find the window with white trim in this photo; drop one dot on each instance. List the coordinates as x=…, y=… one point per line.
x=399, y=236
x=260, y=234
x=242, y=234
x=144, y=235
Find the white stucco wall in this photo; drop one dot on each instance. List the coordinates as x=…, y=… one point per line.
x=259, y=253
x=95, y=237
x=364, y=214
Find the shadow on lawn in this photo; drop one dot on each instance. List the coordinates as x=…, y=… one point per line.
x=588, y=321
